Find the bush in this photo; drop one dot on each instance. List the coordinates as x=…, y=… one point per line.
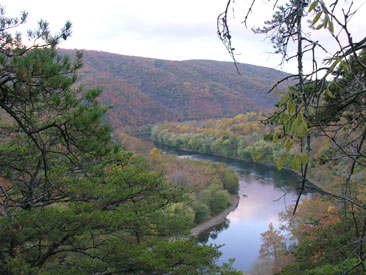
x=202, y=212
x=231, y=182
x=219, y=201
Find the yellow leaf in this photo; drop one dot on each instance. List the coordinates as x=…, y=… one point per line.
x=268, y=158
x=257, y=157
x=279, y=165
x=329, y=61
x=319, y=27
x=281, y=161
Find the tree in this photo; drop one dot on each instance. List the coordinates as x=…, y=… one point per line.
x=155, y=155
x=274, y=248
x=326, y=103
x=202, y=212
x=230, y=182
x=71, y=201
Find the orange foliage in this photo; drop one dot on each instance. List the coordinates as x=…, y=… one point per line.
x=146, y=91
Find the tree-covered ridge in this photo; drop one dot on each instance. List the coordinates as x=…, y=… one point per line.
x=145, y=90
x=71, y=201
x=242, y=137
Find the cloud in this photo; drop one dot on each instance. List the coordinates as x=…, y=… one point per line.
x=164, y=30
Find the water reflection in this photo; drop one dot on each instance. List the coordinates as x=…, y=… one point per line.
x=264, y=192
x=213, y=232
x=260, y=206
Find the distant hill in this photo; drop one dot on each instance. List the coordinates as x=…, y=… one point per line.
x=145, y=90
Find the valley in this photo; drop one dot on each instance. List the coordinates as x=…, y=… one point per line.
x=122, y=164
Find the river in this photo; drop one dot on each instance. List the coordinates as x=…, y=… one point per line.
x=264, y=193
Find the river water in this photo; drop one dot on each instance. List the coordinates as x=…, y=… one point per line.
x=264, y=193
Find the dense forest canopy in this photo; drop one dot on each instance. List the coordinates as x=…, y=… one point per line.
x=146, y=91
x=71, y=201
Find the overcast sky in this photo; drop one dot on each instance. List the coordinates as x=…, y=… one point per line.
x=165, y=29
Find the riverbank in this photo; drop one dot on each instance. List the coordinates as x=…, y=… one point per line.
x=310, y=183
x=216, y=220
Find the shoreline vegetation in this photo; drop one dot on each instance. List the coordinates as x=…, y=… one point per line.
x=234, y=199
x=214, y=219
x=218, y=219
x=245, y=138
x=310, y=181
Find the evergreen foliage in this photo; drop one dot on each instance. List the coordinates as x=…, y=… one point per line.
x=72, y=202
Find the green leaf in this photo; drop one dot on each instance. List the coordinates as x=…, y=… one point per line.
x=297, y=162
x=297, y=122
x=275, y=138
x=288, y=126
x=331, y=27
x=330, y=60
x=326, y=20
x=301, y=128
x=302, y=131
x=283, y=99
x=281, y=161
x=312, y=6
x=329, y=93
x=316, y=18
x=291, y=107
x=288, y=145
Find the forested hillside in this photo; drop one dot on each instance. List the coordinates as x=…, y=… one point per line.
x=71, y=200
x=145, y=90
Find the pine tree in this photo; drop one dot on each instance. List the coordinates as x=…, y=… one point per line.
x=70, y=200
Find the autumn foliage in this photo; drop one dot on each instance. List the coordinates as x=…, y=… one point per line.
x=146, y=91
